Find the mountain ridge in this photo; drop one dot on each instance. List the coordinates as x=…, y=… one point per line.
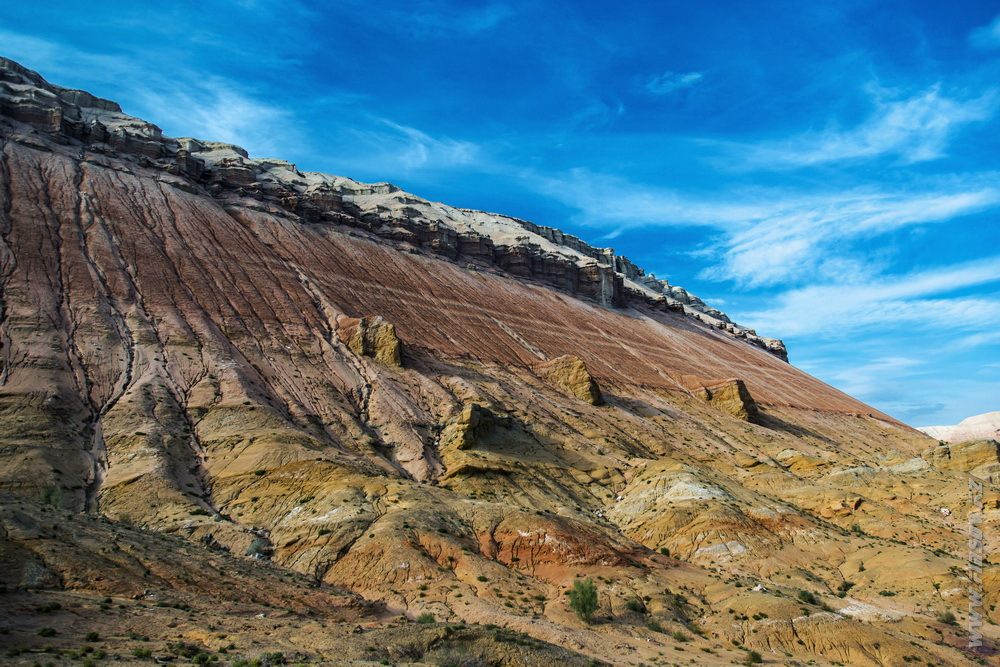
x=986, y=425
x=332, y=383
x=517, y=246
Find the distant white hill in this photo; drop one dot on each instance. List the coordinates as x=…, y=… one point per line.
x=981, y=426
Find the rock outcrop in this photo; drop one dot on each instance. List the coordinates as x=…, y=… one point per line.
x=570, y=374
x=730, y=396
x=371, y=337
x=977, y=457
x=469, y=426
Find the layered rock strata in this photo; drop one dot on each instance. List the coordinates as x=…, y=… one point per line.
x=301, y=370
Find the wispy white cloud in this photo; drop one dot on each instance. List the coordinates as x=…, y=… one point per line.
x=595, y=113
x=808, y=237
x=767, y=236
x=871, y=377
x=987, y=36
x=426, y=20
x=217, y=109
x=977, y=340
x=395, y=146
x=614, y=203
x=183, y=101
x=668, y=82
x=459, y=20
x=914, y=129
x=918, y=299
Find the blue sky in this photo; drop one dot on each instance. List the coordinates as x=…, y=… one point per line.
x=824, y=172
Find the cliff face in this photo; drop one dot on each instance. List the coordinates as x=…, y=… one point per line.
x=436, y=407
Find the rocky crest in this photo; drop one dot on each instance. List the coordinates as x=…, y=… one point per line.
x=515, y=246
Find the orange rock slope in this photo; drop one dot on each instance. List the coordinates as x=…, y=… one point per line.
x=444, y=410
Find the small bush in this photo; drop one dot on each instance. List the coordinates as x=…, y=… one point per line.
x=807, y=597
x=425, y=617
x=45, y=632
x=91, y=636
x=583, y=599
x=753, y=658
x=947, y=618
x=258, y=548
x=679, y=636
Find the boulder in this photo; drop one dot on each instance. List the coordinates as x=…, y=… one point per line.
x=467, y=427
x=371, y=337
x=570, y=374
x=730, y=396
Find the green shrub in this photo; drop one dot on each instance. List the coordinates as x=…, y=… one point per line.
x=258, y=548
x=753, y=658
x=807, y=597
x=45, y=632
x=142, y=653
x=583, y=599
x=947, y=618
x=91, y=636
x=50, y=495
x=425, y=617
x=679, y=636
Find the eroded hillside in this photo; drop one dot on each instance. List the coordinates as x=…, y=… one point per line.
x=447, y=411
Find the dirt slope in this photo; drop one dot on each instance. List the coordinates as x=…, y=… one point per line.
x=442, y=419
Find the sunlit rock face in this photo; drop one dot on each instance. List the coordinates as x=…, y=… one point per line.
x=442, y=410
